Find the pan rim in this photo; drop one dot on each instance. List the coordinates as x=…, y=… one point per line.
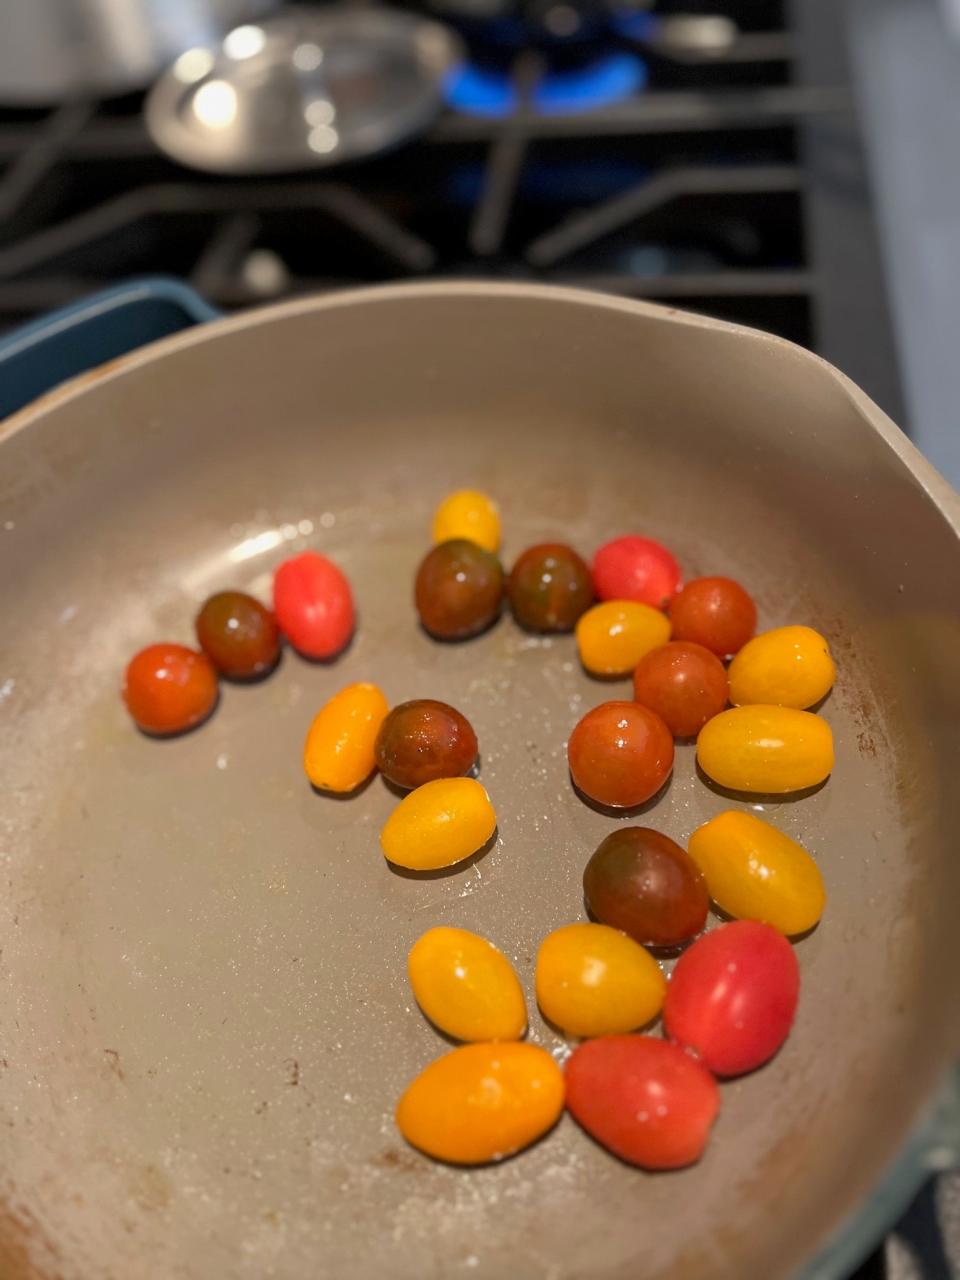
x=940, y=492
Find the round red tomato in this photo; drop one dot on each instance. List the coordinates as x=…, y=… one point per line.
x=714, y=612
x=643, y=1099
x=733, y=995
x=620, y=754
x=169, y=688
x=239, y=636
x=685, y=684
x=641, y=882
x=313, y=605
x=634, y=568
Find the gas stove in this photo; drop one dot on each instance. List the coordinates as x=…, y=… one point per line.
x=723, y=175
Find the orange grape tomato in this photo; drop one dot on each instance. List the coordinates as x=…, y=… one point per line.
x=482, y=1102
x=338, y=754
x=613, y=636
x=439, y=824
x=788, y=667
x=767, y=750
x=169, y=688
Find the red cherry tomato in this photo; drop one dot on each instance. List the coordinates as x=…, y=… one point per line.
x=620, y=754
x=634, y=568
x=714, y=612
x=169, y=688
x=313, y=605
x=643, y=1099
x=685, y=684
x=733, y=995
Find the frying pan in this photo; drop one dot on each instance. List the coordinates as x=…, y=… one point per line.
x=204, y=1010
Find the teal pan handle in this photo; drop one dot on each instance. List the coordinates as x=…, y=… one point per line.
x=88, y=333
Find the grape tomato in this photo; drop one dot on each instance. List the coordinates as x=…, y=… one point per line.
x=468, y=514
x=767, y=750
x=755, y=872
x=439, y=824
x=613, y=636
x=482, y=1102
x=635, y=568
x=787, y=667
x=313, y=605
x=642, y=1098
x=338, y=754
x=733, y=995
x=596, y=981
x=465, y=986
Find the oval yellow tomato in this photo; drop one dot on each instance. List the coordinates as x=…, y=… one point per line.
x=482, y=1102
x=468, y=514
x=338, y=753
x=755, y=872
x=764, y=749
x=439, y=824
x=465, y=986
x=787, y=667
x=613, y=636
x=595, y=981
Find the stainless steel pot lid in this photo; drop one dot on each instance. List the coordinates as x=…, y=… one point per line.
x=306, y=89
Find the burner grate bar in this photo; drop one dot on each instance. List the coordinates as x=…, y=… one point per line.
x=44, y=150
x=406, y=249
x=653, y=113
x=504, y=166
x=601, y=219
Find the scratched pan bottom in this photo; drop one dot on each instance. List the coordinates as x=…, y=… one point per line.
x=205, y=1016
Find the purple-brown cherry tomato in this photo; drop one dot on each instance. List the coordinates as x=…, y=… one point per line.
x=238, y=634
x=423, y=740
x=642, y=882
x=459, y=589
x=549, y=588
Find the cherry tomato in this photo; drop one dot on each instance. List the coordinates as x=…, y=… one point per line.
x=733, y=995
x=613, y=636
x=620, y=754
x=714, y=612
x=423, y=740
x=239, y=636
x=755, y=872
x=634, y=568
x=684, y=683
x=786, y=667
x=482, y=1102
x=465, y=986
x=169, y=688
x=459, y=589
x=766, y=750
x=595, y=981
x=313, y=604
x=468, y=514
x=439, y=824
x=549, y=588
x=642, y=882
x=338, y=754
x=642, y=1098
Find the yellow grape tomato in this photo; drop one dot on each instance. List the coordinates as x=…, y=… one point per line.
x=765, y=749
x=788, y=667
x=613, y=636
x=595, y=981
x=755, y=872
x=465, y=986
x=438, y=824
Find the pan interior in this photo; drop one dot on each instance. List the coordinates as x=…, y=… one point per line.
x=205, y=1015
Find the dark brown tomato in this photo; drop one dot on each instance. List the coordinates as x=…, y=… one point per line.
x=642, y=882
x=423, y=740
x=459, y=589
x=238, y=634
x=549, y=588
